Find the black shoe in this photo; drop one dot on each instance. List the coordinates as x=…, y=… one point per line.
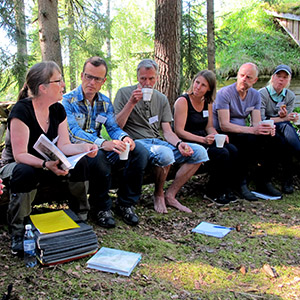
x=231, y=197
x=268, y=189
x=128, y=214
x=244, y=193
x=287, y=187
x=220, y=200
x=17, y=245
x=105, y=219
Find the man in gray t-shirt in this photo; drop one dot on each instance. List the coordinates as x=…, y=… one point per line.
x=143, y=121
x=256, y=143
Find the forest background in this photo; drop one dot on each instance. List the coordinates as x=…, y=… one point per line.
x=124, y=32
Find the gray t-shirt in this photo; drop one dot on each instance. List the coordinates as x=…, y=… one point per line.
x=270, y=108
x=146, y=117
x=228, y=98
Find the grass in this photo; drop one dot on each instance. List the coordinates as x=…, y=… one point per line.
x=178, y=264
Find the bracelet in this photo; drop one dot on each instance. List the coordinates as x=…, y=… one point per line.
x=44, y=166
x=178, y=143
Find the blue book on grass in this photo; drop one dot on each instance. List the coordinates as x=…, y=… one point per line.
x=212, y=229
x=114, y=261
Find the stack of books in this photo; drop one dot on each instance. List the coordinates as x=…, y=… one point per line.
x=61, y=237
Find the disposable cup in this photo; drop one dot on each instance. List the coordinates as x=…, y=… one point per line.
x=124, y=155
x=298, y=121
x=270, y=122
x=147, y=93
x=220, y=140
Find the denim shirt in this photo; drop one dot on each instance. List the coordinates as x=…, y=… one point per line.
x=85, y=122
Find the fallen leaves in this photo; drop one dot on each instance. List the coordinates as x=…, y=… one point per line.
x=270, y=271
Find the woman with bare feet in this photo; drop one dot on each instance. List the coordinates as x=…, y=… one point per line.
x=193, y=121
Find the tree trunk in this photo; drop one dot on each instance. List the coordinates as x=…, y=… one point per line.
x=49, y=31
x=167, y=47
x=211, y=36
x=72, y=61
x=108, y=49
x=22, y=60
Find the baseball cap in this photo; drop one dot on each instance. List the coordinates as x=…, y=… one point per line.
x=283, y=68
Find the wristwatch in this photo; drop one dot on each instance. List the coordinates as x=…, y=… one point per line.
x=44, y=166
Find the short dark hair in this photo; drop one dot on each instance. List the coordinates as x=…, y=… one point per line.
x=38, y=74
x=210, y=77
x=96, y=61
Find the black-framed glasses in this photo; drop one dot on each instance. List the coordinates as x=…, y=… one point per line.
x=91, y=77
x=59, y=81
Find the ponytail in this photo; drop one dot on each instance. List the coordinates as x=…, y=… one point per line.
x=23, y=92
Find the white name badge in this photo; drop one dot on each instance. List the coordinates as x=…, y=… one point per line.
x=205, y=113
x=153, y=119
x=101, y=119
x=249, y=108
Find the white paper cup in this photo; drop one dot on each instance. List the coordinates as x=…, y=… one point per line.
x=124, y=155
x=220, y=140
x=270, y=122
x=298, y=121
x=147, y=94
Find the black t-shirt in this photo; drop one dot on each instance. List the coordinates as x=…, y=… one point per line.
x=195, y=121
x=23, y=110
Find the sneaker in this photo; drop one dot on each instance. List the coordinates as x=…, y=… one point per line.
x=244, y=193
x=128, y=214
x=268, y=189
x=220, y=200
x=287, y=187
x=105, y=219
x=231, y=197
x=17, y=245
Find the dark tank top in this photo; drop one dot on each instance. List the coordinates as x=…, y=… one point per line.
x=195, y=121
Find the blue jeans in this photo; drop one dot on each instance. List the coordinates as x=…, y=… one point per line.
x=163, y=153
x=130, y=177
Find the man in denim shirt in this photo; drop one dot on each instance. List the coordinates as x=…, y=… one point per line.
x=87, y=110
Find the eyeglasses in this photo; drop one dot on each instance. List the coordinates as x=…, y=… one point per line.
x=91, y=77
x=59, y=81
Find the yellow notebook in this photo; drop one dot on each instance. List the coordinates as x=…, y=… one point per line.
x=53, y=222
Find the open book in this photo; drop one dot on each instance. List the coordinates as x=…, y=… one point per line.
x=50, y=152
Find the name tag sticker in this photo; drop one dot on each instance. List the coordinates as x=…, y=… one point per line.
x=153, y=119
x=249, y=108
x=101, y=119
x=205, y=113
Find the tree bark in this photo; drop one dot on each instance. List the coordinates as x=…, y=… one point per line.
x=211, y=36
x=49, y=31
x=72, y=61
x=108, y=49
x=167, y=47
x=22, y=59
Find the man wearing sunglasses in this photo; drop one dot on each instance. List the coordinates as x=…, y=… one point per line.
x=88, y=112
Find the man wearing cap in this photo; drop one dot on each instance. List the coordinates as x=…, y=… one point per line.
x=277, y=103
x=231, y=109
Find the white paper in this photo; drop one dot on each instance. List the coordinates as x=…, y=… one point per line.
x=114, y=261
x=266, y=197
x=212, y=229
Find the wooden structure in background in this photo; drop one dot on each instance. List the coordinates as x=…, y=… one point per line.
x=290, y=23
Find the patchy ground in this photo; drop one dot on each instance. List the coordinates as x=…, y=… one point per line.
x=258, y=260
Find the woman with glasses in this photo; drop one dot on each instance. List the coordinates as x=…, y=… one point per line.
x=277, y=104
x=37, y=112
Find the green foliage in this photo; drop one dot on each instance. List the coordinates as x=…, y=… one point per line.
x=251, y=35
x=133, y=39
x=193, y=41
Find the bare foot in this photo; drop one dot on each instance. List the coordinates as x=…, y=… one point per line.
x=175, y=203
x=160, y=205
